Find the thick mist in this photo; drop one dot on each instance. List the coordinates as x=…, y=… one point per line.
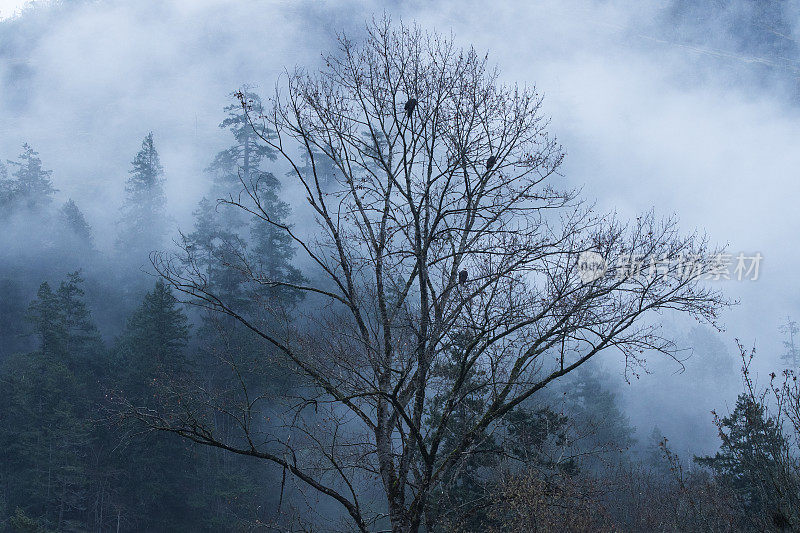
x=688, y=108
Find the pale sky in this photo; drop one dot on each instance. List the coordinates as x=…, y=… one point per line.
x=9, y=7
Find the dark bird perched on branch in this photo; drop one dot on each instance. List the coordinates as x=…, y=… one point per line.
x=462, y=277
x=409, y=107
x=490, y=162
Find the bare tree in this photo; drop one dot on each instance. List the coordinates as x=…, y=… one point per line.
x=440, y=231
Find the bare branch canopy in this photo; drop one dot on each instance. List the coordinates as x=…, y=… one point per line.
x=440, y=229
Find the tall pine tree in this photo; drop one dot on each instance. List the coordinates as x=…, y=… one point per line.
x=244, y=159
x=144, y=220
x=271, y=250
x=155, y=338
x=150, y=357
x=219, y=238
x=31, y=185
x=75, y=225
x=225, y=238
x=225, y=243
x=47, y=424
x=172, y=485
x=750, y=458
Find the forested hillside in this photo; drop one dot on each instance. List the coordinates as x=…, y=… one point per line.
x=367, y=298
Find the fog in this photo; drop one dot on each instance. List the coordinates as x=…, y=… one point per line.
x=688, y=108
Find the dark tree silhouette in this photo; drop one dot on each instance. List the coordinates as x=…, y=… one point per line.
x=412, y=206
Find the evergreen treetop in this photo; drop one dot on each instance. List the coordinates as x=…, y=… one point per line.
x=74, y=220
x=242, y=160
x=31, y=183
x=158, y=330
x=146, y=174
x=749, y=457
x=63, y=322
x=144, y=219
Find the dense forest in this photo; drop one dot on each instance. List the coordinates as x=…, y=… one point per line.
x=419, y=349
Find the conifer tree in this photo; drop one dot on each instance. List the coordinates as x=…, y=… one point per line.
x=243, y=160
x=524, y=439
x=749, y=459
x=50, y=398
x=220, y=237
x=81, y=334
x=31, y=185
x=654, y=456
x=221, y=243
x=322, y=166
x=593, y=408
x=75, y=222
x=226, y=241
x=48, y=321
x=156, y=336
x=144, y=221
x=12, y=317
x=63, y=322
x=164, y=475
x=272, y=249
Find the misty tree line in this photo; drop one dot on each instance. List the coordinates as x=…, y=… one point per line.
x=431, y=371
x=69, y=463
